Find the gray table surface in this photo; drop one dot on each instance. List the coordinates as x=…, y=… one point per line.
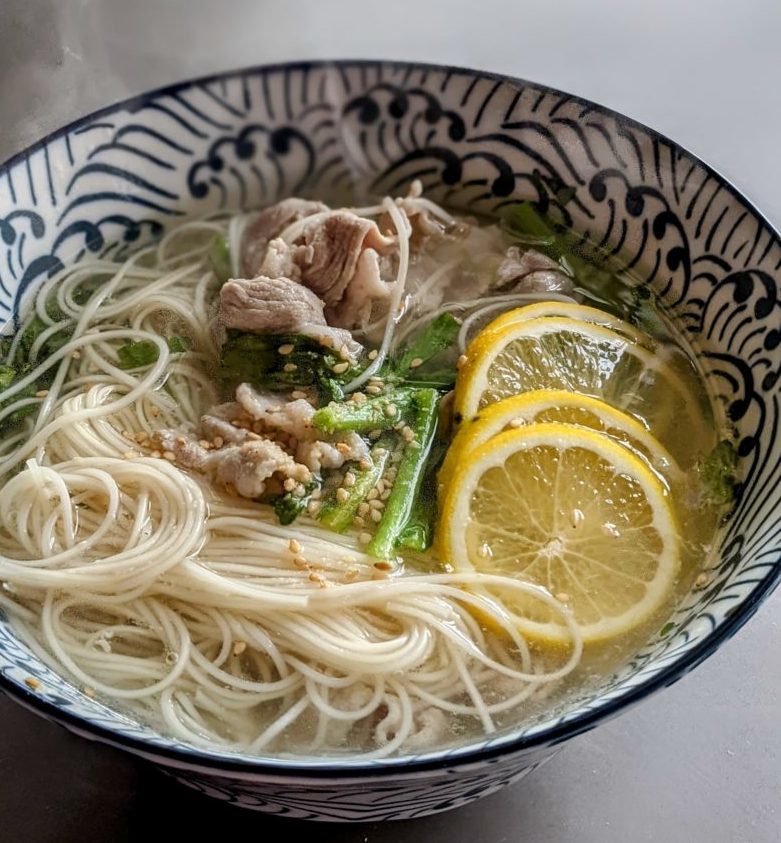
x=701, y=761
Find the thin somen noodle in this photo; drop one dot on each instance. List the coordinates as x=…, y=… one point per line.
x=156, y=587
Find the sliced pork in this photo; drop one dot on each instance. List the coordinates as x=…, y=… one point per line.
x=270, y=223
x=530, y=271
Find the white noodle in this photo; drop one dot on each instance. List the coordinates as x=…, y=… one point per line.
x=403, y=232
x=186, y=607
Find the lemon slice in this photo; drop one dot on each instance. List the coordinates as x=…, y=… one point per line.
x=571, y=510
x=557, y=405
x=572, y=311
x=561, y=353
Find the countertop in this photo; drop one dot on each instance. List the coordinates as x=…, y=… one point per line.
x=699, y=762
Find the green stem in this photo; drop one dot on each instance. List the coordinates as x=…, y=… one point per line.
x=378, y=413
x=409, y=476
x=339, y=515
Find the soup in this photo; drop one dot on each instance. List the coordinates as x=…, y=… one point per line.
x=373, y=480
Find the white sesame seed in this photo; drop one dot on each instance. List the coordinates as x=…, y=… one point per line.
x=88, y=692
x=32, y=683
x=341, y=368
x=415, y=363
x=373, y=390
x=239, y=647
x=373, y=354
x=702, y=580
x=365, y=538
x=294, y=546
x=375, y=434
x=349, y=479
x=344, y=352
x=300, y=562
x=563, y=597
x=342, y=495
x=313, y=508
x=376, y=516
x=297, y=394
x=391, y=410
x=285, y=349
x=169, y=455
x=289, y=367
x=76, y=355
x=461, y=360
x=42, y=393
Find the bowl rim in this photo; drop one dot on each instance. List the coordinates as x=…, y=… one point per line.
x=192, y=756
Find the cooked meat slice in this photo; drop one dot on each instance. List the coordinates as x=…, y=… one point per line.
x=269, y=305
x=365, y=288
x=319, y=455
x=246, y=462
x=268, y=224
x=249, y=466
x=531, y=272
x=184, y=446
x=279, y=305
x=544, y=282
x=212, y=427
x=291, y=417
x=280, y=260
x=335, y=243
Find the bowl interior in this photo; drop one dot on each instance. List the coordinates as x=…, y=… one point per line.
x=114, y=180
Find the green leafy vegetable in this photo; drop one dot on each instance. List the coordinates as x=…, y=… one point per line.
x=438, y=336
x=220, y=257
x=133, y=355
x=290, y=505
x=591, y=268
x=178, y=345
x=8, y=376
x=256, y=359
x=524, y=220
x=59, y=330
x=718, y=474
x=409, y=476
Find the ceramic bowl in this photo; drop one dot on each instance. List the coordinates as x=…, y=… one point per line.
x=117, y=178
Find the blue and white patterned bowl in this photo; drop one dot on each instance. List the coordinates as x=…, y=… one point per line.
x=119, y=177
